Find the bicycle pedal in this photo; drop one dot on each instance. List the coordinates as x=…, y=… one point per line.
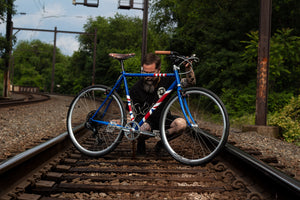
x=157, y=134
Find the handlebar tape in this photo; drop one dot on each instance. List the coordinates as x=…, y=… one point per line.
x=163, y=52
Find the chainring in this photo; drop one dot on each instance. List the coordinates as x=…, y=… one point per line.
x=133, y=130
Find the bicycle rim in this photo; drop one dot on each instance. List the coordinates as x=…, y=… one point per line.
x=199, y=143
x=97, y=139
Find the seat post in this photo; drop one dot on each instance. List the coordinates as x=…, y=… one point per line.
x=122, y=64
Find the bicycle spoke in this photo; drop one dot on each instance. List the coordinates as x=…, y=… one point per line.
x=98, y=140
x=204, y=139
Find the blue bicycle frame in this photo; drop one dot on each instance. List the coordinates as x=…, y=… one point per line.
x=176, y=83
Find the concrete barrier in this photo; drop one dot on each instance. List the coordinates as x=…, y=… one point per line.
x=270, y=131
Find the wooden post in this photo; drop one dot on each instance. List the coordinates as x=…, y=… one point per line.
x=145, y=29
x=8, y=46
x=263, y=62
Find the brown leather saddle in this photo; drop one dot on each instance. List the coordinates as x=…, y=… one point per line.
x=119, y=56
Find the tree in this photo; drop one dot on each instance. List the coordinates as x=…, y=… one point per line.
x=284, y=59
x=285, y=14
x=213, y=30
x=6, y=7
x=3, y=9
x=118, y=34
x=33, y=64
x=79, y=72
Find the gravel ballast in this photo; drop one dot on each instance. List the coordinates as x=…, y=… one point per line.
x=23, y=127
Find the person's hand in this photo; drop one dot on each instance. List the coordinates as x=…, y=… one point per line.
x=128, y=118
x=146, y=127
x=188, y=64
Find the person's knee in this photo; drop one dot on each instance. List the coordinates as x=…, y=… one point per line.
x=180, y=124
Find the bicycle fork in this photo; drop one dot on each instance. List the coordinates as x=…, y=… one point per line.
x=182, y=101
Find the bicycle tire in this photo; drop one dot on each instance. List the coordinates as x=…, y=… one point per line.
x=201, y=143
x=98, y=139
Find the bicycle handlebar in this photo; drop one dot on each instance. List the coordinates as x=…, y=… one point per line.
x=178, y=58
x=166, y=53
x=163, y=52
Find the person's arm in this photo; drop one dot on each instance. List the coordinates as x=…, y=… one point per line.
x=190, y=77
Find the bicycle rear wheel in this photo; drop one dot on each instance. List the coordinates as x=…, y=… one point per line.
x=201, y=141
x=98, y=139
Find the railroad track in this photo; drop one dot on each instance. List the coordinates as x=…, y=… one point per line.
x=56, y=170
x=24, y=98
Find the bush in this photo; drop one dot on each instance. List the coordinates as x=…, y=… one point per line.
x=239, y=122
x=239, y=102
x=276, y=101
x=288, y=120
x=284, y=59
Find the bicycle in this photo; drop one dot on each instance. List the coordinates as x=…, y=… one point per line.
x=102, y=112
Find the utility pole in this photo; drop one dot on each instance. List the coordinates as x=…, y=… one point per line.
x=263, y=62
x=54, y=47
x=129, y=4
x=53, y=60
x=145, y=28
x=7, y=47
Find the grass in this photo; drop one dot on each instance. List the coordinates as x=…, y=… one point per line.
x=238, y=122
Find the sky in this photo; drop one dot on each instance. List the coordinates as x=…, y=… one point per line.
x=48, y=14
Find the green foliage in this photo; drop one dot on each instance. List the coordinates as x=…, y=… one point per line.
x=33, y=64
x=120, y=34
x=213, y=30
x=78, y=73
x=238, y=122
x=30, y=77
x=3, y=9
x=283, y=83
x=285, y=14
x=284, y=68
x=276, y=101
x=2, y=46
x=288, y=119
x=239, y=102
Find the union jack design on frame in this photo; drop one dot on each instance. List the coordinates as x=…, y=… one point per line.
x=130, y=108
x=160, y=75
x=155, y=106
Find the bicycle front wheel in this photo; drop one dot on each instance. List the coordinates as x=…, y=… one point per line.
x=99, y=139
x=205, y=133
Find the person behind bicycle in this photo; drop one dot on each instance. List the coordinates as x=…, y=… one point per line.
x=146, y=92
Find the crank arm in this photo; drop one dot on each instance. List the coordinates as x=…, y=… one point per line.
x=149, y=133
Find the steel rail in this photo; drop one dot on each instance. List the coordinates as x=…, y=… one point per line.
x=284, y=180
x=22, y=165
x=26, y=155
x=281, y=178
x=287, y=182
x=24, y=101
